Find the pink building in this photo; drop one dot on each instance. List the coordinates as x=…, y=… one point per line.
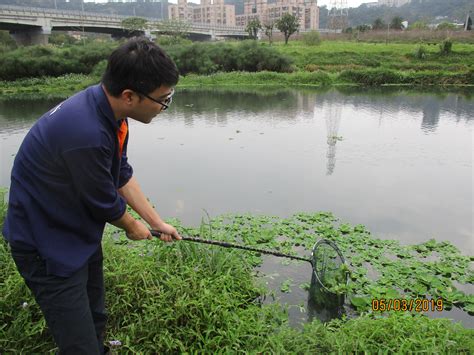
x=215, y=13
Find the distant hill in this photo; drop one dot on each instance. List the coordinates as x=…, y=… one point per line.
x=430, y=11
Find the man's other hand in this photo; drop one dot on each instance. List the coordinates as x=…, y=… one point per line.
x=168, y=232
x=138, y=231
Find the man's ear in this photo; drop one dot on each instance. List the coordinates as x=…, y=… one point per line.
x=127, y=96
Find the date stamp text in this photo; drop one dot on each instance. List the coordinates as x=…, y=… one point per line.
x=407, y=304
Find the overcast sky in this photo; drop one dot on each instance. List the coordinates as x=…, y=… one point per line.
x=350, y=3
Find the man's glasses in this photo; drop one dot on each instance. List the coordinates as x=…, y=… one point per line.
x=164, y=104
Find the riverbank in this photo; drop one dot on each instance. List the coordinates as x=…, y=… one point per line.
x=333, y=63
x=186, y=297
x=65, y=86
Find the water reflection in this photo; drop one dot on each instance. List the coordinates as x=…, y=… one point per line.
x=431, y=112
x=19, y=115
x=333, y=120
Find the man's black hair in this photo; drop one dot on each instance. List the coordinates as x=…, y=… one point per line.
x=139, y=65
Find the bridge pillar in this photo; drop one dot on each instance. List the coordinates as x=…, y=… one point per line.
x=34, y=35
x=213, y=35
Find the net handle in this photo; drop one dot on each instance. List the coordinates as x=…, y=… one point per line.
x=157, y=234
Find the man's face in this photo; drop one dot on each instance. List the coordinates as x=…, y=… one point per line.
x=147, y=106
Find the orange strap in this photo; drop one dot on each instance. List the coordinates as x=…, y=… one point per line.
x=122, y=134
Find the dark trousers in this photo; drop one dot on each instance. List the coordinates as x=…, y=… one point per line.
x=74, y=307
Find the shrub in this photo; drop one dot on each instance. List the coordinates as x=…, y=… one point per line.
x=312, y=38
x=445, y=47
x=372, y=77
x=420, y=52
x=203, y=58
x=192, y=59
x=165, y=40
x=99, y=69
x=311, y=67
x=6, y=40
x=36, y=61
x=61, y=39
x=446, y=26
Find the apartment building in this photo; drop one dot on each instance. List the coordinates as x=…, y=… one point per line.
x=307, y=12
x=215, y=13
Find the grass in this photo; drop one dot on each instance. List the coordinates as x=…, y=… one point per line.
x=185, y=297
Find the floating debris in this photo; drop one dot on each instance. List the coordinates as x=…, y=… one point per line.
x=115, y=343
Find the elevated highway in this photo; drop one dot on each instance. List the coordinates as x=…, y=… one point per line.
x=33, y=25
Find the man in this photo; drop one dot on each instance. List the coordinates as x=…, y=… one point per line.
x=70, y=177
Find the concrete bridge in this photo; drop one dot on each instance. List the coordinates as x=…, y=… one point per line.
x=33, y=25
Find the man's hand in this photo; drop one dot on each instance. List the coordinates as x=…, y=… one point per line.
x=168, y=232
x=138, y=231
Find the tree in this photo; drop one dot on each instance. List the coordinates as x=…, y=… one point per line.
x=378, y=24
x=419, y=25
x=396, y=23
x=176, y=29
x=253, y=27
x=363, y=28
x=287, y=24
x=268, y=27
x=446, y=26
x=135, y=24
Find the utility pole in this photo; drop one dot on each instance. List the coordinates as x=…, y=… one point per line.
x=82, y=17
x=338, y=15
x=467, y=20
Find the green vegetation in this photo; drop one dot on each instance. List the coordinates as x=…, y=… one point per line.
x=186, y=297
x=312, y=38
x=447, y=63
x=134, y=24
x=249, y=56
x=446, y=46
x=253, y=27
x=288, y=24
x=199, y=58
x=46, y=87
x=38, y=61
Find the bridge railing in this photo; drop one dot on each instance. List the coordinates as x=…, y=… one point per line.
x=61, y=13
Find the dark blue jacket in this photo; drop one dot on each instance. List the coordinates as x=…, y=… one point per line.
x=64, y=182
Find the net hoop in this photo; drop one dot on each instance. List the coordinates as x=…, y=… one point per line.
x=314, y=261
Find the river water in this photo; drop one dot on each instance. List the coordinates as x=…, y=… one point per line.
x=398, y=162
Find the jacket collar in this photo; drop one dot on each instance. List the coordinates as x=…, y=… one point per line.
x=103, y=105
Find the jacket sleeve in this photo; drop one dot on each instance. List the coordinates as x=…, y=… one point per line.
x=90, y=173
x=126, y=170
